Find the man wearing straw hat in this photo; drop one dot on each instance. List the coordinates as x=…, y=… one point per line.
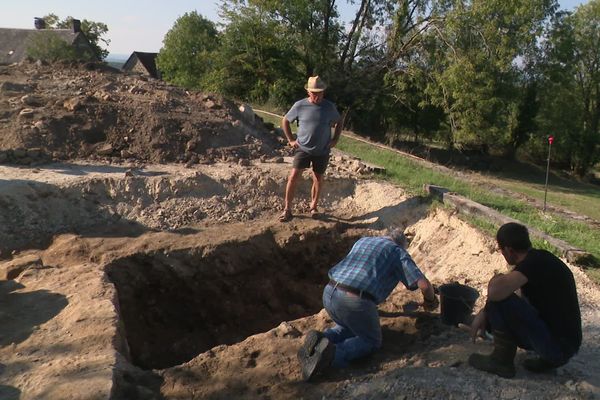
x=357, y=284
x=315, y=116
x=545, y=317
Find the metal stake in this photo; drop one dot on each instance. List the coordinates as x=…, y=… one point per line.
x=550, y=140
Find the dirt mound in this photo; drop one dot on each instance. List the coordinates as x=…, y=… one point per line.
x=73, y=111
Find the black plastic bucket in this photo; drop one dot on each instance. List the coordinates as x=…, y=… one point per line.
x=456, y=303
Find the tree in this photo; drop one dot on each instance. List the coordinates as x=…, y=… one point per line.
x=48, y=47
x=270, y=47
x=188, y=52
x=570, y=101
x=93, y=31
x=255, y=60
x=376, y=51
x=310, y=26
x=476, y=77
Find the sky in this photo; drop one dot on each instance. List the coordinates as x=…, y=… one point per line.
x=133, y=25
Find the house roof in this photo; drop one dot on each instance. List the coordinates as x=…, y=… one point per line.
x=14, y=42
x=148, y=60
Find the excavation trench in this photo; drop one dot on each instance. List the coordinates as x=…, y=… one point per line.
x=176, y=305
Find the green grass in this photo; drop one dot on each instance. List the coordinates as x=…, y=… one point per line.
x=411, y=176
x=580, y=197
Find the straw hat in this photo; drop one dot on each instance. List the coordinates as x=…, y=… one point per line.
x=315, y=84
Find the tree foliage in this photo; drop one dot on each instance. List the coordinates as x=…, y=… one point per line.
x=94, y=31
x=48, y=47
x=188, y=51
x=494, y=74
x=570, y=99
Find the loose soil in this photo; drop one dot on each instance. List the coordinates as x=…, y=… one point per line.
x=136, y=274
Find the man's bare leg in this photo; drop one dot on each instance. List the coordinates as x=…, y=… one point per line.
x=315, y=191
x=290, y=188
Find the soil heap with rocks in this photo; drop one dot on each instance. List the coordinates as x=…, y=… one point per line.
x=96, y=112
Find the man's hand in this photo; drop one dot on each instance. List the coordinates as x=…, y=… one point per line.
x=287, y=130
x=478, y=326
x=431, y=305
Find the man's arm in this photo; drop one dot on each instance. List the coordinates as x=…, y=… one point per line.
x=426, y=289
x=287, y=130
x=499, y=287
x=430, y=300
x=503, y=285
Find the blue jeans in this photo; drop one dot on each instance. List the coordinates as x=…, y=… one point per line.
x=516, y=317
x=357, y=332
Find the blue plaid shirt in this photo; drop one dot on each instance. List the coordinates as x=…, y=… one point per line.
x=376, y=265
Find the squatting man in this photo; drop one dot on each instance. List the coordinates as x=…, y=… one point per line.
x=534, y=307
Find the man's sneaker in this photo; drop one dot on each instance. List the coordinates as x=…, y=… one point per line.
x=310, y=341
x=322, y=358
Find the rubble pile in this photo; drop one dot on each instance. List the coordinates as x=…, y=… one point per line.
x=96, y=112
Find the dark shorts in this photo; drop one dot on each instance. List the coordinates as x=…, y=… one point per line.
x=303, y=160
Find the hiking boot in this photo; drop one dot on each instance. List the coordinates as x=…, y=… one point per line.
x=501, y=360
x=321, y=358
x=538, y=365
x=308, y=347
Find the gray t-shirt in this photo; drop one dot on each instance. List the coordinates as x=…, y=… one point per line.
x=314, y=125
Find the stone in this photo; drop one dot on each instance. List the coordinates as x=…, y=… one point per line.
x=7, y=87
x=73, y=104
x=105, y=150
x=40, y=125
x=32, y=100
x=285, y=329
x=26, y=113
x=210, y=104
x=126, y=154
x=34, y=152
x=247, y=113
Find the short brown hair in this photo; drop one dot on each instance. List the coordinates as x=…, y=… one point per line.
x=513, y=235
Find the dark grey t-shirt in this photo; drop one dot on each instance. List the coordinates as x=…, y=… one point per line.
x=314, y=125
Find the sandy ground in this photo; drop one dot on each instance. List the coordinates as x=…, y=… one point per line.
x=117, y=267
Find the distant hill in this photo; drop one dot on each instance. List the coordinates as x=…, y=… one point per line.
x=116, y=60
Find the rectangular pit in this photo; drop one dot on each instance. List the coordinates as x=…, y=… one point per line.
x=176, y=305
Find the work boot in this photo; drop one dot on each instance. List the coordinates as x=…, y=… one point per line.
x=308, y=347
x=322, y=357
x=539, y=365
x=501, y=361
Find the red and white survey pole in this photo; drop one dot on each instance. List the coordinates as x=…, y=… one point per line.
x=550, y=140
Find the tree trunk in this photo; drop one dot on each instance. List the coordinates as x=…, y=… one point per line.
x=350, y=38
